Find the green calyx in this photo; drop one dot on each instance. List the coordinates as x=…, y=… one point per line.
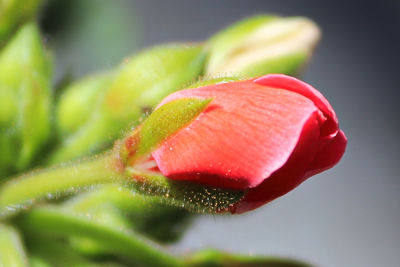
x=261, y=45
x=190, y=196
x=25, y=99
x=162, y=123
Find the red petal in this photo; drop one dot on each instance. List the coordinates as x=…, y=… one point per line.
x=328, y=155
x=289, y=176
x=247, y=133
x=330, y=126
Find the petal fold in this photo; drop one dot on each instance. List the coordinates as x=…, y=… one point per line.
x=289, y=176
x=330, y=126
x=329, y=155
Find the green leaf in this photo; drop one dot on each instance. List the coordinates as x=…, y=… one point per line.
x=12, y=252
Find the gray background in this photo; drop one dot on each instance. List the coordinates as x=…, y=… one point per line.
x=347, y=216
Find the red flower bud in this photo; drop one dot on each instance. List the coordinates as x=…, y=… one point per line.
x=264, y=136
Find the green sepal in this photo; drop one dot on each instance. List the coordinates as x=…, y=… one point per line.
x=190, y=196
x=162, y=123
x=25, y=99
x=213, y=80
x=12, y=252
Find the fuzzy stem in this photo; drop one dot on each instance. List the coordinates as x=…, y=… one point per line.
x=21, y=192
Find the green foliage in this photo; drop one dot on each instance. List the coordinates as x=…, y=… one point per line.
x=25, y=99
x=51, y=221
x=49, y=252
x=13, y=14
x=12, y=252
x=145, y=213
x=139, y=84
x=78, y=101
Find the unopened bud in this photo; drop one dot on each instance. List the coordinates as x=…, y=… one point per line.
x=263, y=45
x=78, y=102
x=25, y=73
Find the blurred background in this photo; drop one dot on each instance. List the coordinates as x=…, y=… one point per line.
x=347, y=216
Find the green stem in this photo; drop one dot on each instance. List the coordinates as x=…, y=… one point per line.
x=21, y=192
x=12, y=252
x=213, y=257
x=123, y=242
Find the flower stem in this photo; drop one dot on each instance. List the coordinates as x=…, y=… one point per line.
x=22, y=192
x=121, y=241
